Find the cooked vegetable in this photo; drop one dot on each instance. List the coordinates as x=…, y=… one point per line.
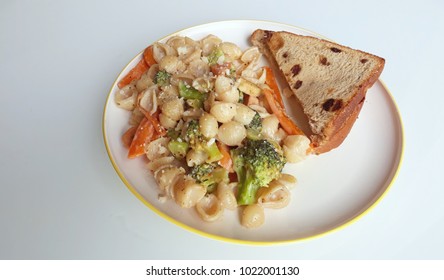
x=226, y=161
x=134, y=74
x=178, y=148
x=148, y=56
x=144, y=134
x=287, y=124
x=270, y=80
x=256, y=164
x=199, y=143
x=162, y=78
x=194, y=97
x=254, y=128
x=216, y=57
x=209, y=175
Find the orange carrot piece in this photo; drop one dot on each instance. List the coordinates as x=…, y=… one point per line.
x=148, y=56
x=226, y=161
x=144, y=134
x=217, y=69
x=154, y=119
x=287, y=124
x=128, y=136
x=270, y=80
x=134, y=74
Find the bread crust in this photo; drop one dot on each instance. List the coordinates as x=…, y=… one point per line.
x=340, y=135
x=334, y=133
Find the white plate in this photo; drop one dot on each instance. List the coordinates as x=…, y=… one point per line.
x=333, y=189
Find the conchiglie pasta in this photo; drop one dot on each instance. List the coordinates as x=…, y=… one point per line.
x=250, y=55
x=275, y=196
x=173, y=109
x=287, y=180
x=166, y=121
x=187, y=192
x=198, y=68
x=231, y=51
x=175, y=42
x=295, y=147
x=126, y=97
x=203, y=84
x=157, y=148
x=166, y=178
x=209, y=208
x=148, y=99
x=192, y=56
x=171, y=64
x=223, y=84
x=196, y=157
x=144, y=82
x=225, y=193
x=209, y=43
x=161, y=50
x=231, y=133
x=223, y=111
x=244, y=114
x=270, y=126
x=253, y=216
x=208, y=125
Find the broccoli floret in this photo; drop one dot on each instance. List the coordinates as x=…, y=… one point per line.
x=209, y=175
x=256, y=164
x=254, y=128
x=193, y=97
x=173, y=134
x=199, y=143
x=178, y=148
x=193, y=134
x=162, y=78
x=214, y=56
x=200, y=171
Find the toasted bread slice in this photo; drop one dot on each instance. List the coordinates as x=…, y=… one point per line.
x=329, y=80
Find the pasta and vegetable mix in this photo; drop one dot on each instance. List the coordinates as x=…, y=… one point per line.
x=211, y=122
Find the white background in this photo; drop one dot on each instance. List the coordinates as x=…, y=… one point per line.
x=60, y=197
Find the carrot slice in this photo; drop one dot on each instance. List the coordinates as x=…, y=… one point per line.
x=287, y=124
x=154, y=119
x=144, y=134
x=148, y=56
x=270, y=80
x=128, y=136
x=134, y=74
x=226, y=161
x=217, y=69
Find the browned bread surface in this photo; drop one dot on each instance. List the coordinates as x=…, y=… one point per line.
x=329, y=80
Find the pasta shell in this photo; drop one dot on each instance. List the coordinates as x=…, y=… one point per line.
x=148, y=99
x=187, y=192
x=209, y=208
x=251, y=54
x=274, y=196
x=225, y=194
x=126, y=97
x=157, y=148
x=161, y=50
x=209, y=43
x=203, y=84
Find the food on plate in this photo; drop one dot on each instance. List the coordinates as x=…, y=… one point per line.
x=329, y=80
x=211, y=122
